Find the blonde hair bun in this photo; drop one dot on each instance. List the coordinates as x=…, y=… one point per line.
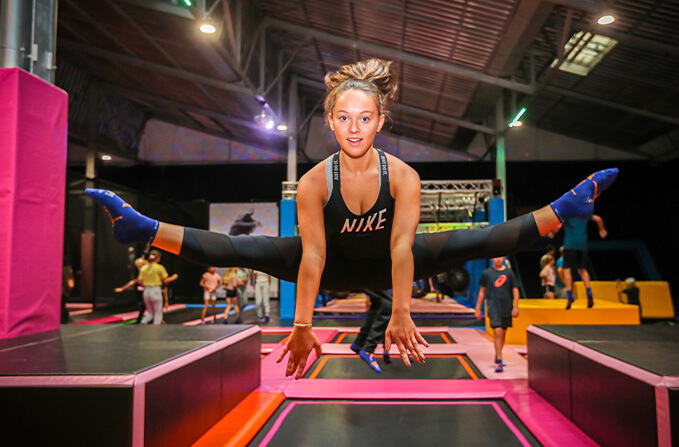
x=376, y=77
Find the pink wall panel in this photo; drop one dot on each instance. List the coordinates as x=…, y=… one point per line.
x=33, y=130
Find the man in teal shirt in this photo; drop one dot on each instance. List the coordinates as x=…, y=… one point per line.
x=575, y=254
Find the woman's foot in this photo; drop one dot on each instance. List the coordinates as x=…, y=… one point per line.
x=371, y=360
x=578, y=203
x=129, y=225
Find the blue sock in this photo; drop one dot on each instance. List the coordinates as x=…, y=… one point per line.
x=578, y=203
x=355, y=348
x=371, y=360
x=589, y=293
x=570, y=295
x=129, y=225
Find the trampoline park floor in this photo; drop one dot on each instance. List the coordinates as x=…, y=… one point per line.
x=455, y=398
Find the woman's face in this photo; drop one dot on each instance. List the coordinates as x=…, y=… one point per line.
x=355, y=121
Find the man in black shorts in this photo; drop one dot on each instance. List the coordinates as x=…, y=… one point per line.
x=575, y=254
x=501, y=290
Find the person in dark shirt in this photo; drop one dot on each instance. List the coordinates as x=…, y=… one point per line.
x=500, y=289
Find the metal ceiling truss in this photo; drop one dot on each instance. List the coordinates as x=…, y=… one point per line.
x=133, y=23
x=393, y=53
x=228, y=62
x=397, y=54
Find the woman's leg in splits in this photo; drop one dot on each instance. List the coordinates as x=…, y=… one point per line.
x=280, y=257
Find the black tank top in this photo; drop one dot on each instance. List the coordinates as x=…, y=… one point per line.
x=351, y=236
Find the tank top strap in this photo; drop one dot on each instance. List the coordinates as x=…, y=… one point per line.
x=331, y=173
x=384, y=170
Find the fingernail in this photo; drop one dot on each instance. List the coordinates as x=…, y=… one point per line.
x=426, y=344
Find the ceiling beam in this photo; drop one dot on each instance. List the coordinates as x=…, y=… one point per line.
x=592, y=6
x=528, y=19
x=162, y=6
x=632, y=40
x=396, y=54
x=613, y=105
x=151, y=66
x=397, y=107
x=145, y=98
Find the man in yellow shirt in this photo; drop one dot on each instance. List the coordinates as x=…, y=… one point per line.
x=151, y=276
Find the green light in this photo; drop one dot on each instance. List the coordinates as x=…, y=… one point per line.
x=515, y=121
x=188, y=2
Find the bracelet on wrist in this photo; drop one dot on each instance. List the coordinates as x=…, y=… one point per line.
x=302, y=324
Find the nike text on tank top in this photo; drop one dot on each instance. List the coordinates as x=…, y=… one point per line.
x=351, y=236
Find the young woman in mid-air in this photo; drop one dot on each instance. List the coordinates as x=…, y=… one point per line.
x=357, y=213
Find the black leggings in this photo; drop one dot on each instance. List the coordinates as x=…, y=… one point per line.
x=433, y=253
x=376, y=321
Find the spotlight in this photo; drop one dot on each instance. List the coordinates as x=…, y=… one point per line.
x=261, y=119
x=606, y=19
x=207, y=28
x=269, y=124
x=106, y=157
x=282, y=127
x=515, y=124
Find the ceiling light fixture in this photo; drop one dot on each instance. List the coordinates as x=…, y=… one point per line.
x=515, y=122
x=263, y=119
x=188, y=2
x=106, y=157
x=282, y=127
x=207, y=28
x=606, y=19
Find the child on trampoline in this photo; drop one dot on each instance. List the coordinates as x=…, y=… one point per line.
x=357, y=226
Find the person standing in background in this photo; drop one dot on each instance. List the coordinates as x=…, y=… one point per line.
x=262, y=296
x=151, y=276
x=230, y=283
x=547, y=276
x=210, y=282
x=500, y=289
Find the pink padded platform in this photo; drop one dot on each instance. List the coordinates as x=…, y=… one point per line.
x=32, y=192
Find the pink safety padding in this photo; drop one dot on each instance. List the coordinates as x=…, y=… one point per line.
x=33, y=131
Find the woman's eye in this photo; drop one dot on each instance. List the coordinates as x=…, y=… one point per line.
x=343, y=118
x=365, y=119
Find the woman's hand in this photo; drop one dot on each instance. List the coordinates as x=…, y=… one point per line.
x=477, y=313
x=301, y=342
x=402, y=331
x=515, y=312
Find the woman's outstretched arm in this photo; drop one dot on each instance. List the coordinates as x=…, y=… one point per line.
x=310, y=199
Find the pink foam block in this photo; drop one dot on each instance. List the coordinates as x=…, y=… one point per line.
x=33, y=130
